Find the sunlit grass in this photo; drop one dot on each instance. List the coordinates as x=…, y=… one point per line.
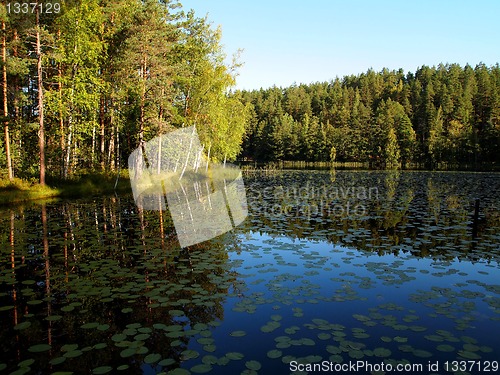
x=21, y=190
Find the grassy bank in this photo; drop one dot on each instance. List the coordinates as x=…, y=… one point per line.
x=21, y=190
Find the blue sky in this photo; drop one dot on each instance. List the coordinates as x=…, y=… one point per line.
x=308, y=41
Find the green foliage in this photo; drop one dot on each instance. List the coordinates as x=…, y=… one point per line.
x=440, y=114
x=119, y=72
x=392, y=155
x=204, y=81
x=116, y=73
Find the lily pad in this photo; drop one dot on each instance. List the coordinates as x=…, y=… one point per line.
x=23, y=325
x=179, y=371
x=238, y=333
x=57, y=361
x=39, y=348
x=201, y=368
x=129, y=352
x=209, y=348
x=103, y=327
x=102, y=370
x=308, y=342
x=67, y=308
x=253, y=365
x=356, y=354
x=119, y=337
x=335, y=358
x=176, y=312
x=152, y=358
x=445, y=348
x=235, y=356
x=90, y=325
x=190, y=354
x=273, y=354
x=166, y=362
x=26, y=363
x=69, y=347
x=468, y=355
x=142, y=337
x=209, y=359
x=381, y=352
x=422, y=353
x=73, y=353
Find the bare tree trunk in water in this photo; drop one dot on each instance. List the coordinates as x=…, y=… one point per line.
x=65, y=251
x=13, y=265
x=46, y=256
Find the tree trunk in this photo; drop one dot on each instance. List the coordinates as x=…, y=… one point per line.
x=118, y=161
x=142, y=104
x=92, y=160
x=74, y=156
x=5, y=108
x=208, y=157
x=68, y=150
x=16, y=79
x=111, y=151
x=41, y=131
x=101, y=120
x=61, y=119
x=188, y=154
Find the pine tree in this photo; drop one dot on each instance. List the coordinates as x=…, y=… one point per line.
x=392, y=154
x=8, y=157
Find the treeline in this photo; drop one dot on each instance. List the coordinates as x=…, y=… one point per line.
x=447, y=114
x=87, y=83
x=85, y=86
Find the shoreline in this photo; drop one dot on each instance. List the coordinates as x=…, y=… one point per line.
x=21, y=191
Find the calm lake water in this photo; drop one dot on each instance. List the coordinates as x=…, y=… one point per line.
x=379, y=269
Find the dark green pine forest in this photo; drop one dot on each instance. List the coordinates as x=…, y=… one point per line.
x=443, y=115
x=84, y=86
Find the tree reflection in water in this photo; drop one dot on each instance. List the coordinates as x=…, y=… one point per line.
x=98, y=282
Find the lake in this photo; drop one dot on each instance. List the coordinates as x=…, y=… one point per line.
x=384, y=270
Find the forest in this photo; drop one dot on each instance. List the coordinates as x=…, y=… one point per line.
x=84, y=86
x=447, y=115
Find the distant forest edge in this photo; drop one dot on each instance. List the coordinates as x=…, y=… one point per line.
x=84, y=87
x=445, y=114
